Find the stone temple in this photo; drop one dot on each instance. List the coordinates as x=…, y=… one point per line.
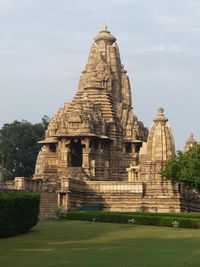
x=97, y=152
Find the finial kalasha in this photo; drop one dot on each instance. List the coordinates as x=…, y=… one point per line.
x=160, y=117
x=191, y=139
x=105, y=35
x=160, y=110
x=104, y=28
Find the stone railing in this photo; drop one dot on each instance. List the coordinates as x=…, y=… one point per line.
x=101, y=186
x=109, y=186
x=72, y=184
x=7, y=185
x=25, y=184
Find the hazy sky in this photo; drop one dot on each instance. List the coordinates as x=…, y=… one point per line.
x=44, y=45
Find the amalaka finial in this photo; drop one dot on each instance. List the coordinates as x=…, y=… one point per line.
x=160, y=117
x=160, y=110
x=105, y=35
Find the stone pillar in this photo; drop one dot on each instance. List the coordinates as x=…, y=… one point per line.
x=59, y=199
x=92, y=167
x=68, y=201
x=64, y=157
x=67, y=152
x=133, y=148
x=86, y=155
x=130, y=174
x=64, y=195
x=64, y=200
x=133, y=174
x=99, y=153
x=106, y=169
x=20, y=183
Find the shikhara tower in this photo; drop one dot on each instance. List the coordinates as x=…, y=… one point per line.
x=96, y=151
x=97, y=135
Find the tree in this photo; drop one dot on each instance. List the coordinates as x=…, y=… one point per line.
x=19, y=148
x=184, y=168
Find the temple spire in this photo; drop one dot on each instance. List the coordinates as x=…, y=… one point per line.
x=189, y=143
x=160, y=144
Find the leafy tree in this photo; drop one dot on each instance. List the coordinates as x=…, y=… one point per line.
x=19, y=148
x=184, y=168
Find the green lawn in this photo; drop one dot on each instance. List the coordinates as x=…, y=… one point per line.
x=76, y=243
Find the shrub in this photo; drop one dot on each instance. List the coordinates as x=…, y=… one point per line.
x=18, y=212
x=175, y=224
x=137, y=218
x=59, y=212
x=169, y=214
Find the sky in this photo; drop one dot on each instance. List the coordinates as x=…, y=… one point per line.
x=44, y=46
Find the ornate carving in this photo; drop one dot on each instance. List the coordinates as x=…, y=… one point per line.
x=103, y=71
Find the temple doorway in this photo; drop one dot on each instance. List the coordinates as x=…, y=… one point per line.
x=76, y=153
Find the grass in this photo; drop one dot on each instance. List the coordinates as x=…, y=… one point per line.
x=79, y=243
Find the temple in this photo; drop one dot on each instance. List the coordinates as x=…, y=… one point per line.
x=97, y=152
x=97, y=136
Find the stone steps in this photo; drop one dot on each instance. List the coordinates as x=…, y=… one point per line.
x=48, y=201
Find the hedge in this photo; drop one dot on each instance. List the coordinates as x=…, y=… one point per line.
x=136, y=218
x=18, y=212
x=169, y=214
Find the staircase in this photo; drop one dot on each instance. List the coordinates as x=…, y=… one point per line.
x=48, y=201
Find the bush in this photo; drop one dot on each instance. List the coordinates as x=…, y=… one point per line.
x=169, y=214
x=138, y=218
x=18, y=212
x=59, y=212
